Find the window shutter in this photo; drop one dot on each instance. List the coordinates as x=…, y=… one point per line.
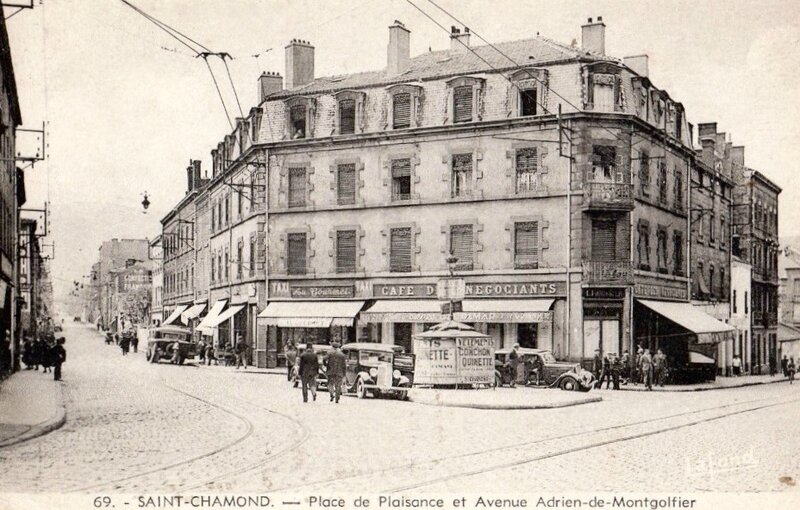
x=526, y=245
x=527, y=162
x=296, y=256
x=297, y=187
x=604, y=240
x=462, y=104
x=347, y=116
x=346, y=184
x=401, y=111
x=346, y=251
x=401, y=168
x=400, y=250
x=461, y=245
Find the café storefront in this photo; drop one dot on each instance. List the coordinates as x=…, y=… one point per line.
x=512, y=311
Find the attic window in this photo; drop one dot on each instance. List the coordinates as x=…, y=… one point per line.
x=297, y=120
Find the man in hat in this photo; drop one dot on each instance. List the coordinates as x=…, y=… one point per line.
x=59, y=357
x=309, y=368
x=513, y=365
x=337, y=364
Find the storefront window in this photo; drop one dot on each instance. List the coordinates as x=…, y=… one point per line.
x=527, y=335
x=402, y=334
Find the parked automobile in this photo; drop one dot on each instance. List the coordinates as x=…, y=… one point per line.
x=554, y=374
x=322, y=350
x=378, y=369
x=163, y=340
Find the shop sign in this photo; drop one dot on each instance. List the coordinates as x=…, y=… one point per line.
x=603, y=293
x=320, y=291
x=402, y=317
x=454, y=361
x=644, y=290
x=510, y=317
x=471, y=290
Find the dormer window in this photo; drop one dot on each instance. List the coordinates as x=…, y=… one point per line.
x=405, y=102
x=527, y=102
x=299, y=118
x=349, y=112
x=347, y=116
x=527, y=91
x=465, y=102
x=603, y=88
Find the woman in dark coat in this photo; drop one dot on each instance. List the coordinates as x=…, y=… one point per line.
x=46, y=356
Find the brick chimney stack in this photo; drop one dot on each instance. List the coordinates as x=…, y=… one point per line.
x=299, y=63
x=593, y=36
x=459, y=41
x=638, y=64
x=269, y=83
x=399, y=49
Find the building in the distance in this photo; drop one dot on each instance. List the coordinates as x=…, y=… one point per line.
x=131, y=289
x=157, y=277
x=741, y=281
x=113, y=255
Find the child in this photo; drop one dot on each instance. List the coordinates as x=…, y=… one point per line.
x=791, y=369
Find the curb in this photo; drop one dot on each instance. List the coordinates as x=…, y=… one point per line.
x=45, y=427
x=510, y=407
x=714, y=388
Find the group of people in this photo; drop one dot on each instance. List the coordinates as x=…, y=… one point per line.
x=641, y=368
x=528, y=370
x=49, y=352
x=125, y=341
x=308, y=370
x=232, y=355
x=789, y=368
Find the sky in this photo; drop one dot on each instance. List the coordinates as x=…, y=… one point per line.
x=126, y=106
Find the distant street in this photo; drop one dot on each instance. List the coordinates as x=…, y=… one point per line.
x=132, y=426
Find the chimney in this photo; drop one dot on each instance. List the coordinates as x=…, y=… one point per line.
x=638, y=64
x=198, y=178
x=299, y=63
x=708, y=151
x=190, y=178
x=459, y=41
x=399, y=49
x=593, y=36
x=737, y=155
x=269, y=83
x=707, y=129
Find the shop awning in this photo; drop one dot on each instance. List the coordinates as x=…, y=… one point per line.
x=404, y=310
x=192, y=312
x=311, y=314
x=212, y=315
x=227, y=314
x=787, y=333
x=506, y=310
x=707, y=328
x=174, y=315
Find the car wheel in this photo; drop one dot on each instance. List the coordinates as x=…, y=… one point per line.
x=568, y=384
x=361, y=390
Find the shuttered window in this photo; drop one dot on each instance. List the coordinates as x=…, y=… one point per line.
x=347, y=116
x=297, y=119
x=662, y=182
x=677, y=253
x=401, y=179
x=604, y=240
x=526, y=245
x=401, y=111
x=527, y=161
x=296, y=253
x=661, y=250
x=527, y=99
x=346, y=184
x=297, y=187
x=462, y=104
x=644, y=172
x=462, y=174
x=462, y=247
x=400, y=250
x=252, y=270
x=346, y=251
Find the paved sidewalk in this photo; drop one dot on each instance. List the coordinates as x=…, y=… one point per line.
x=720, y=383
x=503, y=398
x=31, y=404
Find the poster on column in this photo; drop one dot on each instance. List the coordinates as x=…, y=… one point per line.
x=454, y=361
x=475, y=358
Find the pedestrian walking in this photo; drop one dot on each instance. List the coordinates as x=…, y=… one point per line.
x=46, y=356
x=309, y=369
x=616, y=370
x=336, y=365
x=597, y=367
x=606, y=373
x=210, y=355
x=135, y=341
x=637, y=373
x=201, y=350
x=291, y=359
x=26, y=353
x=513, y=365
x=125, y=344
x=626, y=367
x=737, y=366
x=659, y=368
x=59, y=357
x=790, y=368
x=36, y=351
x=241, y=352
x=646, y=369
x=785, y=366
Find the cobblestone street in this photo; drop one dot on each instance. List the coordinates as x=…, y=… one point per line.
x=134, y=427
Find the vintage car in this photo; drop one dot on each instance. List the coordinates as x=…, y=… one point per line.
x=163, y=340
x=378, y=369
x=554, y=374
x=322, y=350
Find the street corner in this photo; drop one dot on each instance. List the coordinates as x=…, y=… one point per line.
x=509, y=399
x=20, y=421
x=720, y=383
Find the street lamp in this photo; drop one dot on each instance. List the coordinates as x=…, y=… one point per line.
x=451, y=266
x=145, y=203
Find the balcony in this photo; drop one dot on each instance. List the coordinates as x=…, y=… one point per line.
x=607, y=273
x=610, y=196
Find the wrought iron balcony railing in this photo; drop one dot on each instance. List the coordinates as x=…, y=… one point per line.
x=608, y=195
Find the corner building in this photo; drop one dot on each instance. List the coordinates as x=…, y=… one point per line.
x=564, y=225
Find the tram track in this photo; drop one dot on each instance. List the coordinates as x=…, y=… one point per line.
x=430, y=470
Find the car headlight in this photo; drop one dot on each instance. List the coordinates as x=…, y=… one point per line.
x=396, y=374
x=373, y=372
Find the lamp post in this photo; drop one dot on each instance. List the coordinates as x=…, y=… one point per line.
x=451, y=266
